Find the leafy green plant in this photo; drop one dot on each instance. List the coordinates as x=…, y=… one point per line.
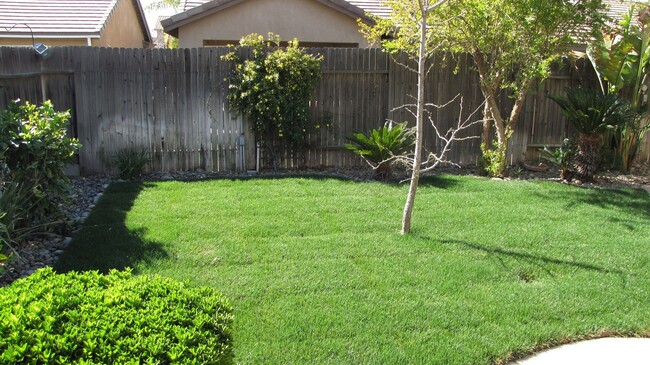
x=382, y=146
x=35, y=148
x=561, y=156
x=272, y=89
x=622, y=58
x=89, y=318
x=494, y=159
x=592, y=113
x=131, y=162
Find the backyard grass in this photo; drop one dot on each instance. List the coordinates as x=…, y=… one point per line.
x=317, y=272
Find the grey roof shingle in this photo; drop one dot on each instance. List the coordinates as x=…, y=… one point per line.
x=57, y=17
x=618, y=7
x=374, y=7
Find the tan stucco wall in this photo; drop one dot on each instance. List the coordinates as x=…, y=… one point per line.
x=307, y=20
x=123, y=28
x=47, y=41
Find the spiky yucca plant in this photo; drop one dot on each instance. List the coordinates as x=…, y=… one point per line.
x=592, y=113
x=381, y=146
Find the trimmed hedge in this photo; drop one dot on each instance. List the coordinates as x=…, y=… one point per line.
x=90, y=318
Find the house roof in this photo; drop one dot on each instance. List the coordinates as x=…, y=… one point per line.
x=374, y=7
x=60, y=18
x=379, y=8
x=617, y=7
x=197, y=9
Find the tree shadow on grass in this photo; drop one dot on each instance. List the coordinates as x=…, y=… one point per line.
x=544, y=263
x=105, y=242
x=440, y=181
x=628, y=201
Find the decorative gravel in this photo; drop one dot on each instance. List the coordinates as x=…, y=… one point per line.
x=86, y=191
x=45, y=251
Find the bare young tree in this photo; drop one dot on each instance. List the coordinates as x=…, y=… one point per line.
x=411, y=34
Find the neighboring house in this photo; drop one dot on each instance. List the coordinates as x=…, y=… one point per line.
x=97, y=23
x=330, y=23
x=316, y=23
x=619, y=7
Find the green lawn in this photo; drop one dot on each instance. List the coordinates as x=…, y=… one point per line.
x=318, y=274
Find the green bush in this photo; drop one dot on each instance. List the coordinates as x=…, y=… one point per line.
x=382, y=146
x=89, y=318
x=272, y=90
x=131, y=162
x=35, y=148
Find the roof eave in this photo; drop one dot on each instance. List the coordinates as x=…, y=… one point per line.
x=143, y=20
x=349, y=10
x=50, y=35
x=171, y=24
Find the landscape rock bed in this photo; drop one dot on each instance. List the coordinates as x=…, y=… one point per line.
x=45, y=251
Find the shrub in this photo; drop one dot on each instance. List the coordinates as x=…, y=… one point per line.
x=382, y=146
x=494, y=159
x=35, y=148
x=131, y=162
x=90, y=318
x=273, y=89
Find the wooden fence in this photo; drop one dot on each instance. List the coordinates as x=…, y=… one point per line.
x=173, y=102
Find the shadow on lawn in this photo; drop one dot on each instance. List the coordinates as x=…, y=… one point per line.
x=441, y=181
x=104, y=242
x=542, y=262
x=630, y=201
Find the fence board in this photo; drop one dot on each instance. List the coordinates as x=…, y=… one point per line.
x=174, y=103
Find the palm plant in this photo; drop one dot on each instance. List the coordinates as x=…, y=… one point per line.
x=382, y=146
x=592, y=113
x=622, y=59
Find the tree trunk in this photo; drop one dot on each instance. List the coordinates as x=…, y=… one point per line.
x=383, y=171
x=419, y=121
x=486, y=138
x=503, y=127
x=588, y=156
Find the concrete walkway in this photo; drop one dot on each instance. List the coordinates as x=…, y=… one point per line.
x=602, y=351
